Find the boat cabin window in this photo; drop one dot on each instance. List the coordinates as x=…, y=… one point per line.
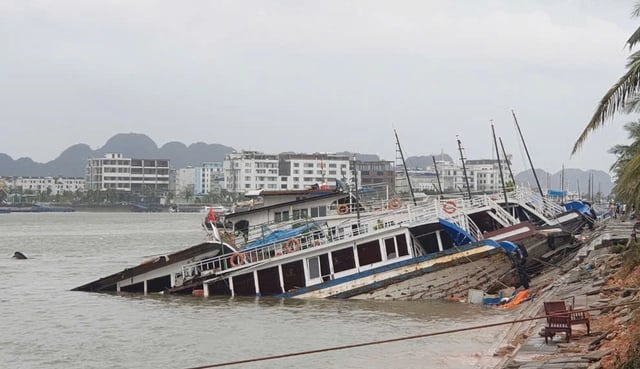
x=343, y=260
x=314, y=267
x=293, y=275
x=320, y=211
x=281, y=216
x=244, y=285
x=300, y=213
x=403, y=248
x=269, y=281
x=390, y=248
x=369, y=253
x=242, y=228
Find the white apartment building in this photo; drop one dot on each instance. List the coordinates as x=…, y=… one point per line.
x=114, y=171
x=251, y=170
x=300, y=171
x=56, y=185
x=208, y=178
x=184, y=182
x=483, y=175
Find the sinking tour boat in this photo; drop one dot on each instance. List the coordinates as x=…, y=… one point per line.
x=406, y=254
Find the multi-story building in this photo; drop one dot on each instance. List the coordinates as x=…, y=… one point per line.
x=378, y=176
x=208, y=178
x=114, y=171
x=250, y=170
x=483, y=175
x=300, y=171
x=52, y=185
x=184, y=182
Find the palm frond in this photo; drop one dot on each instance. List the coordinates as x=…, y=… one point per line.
x=628, y=85
x=633, y=40
x=636, y=10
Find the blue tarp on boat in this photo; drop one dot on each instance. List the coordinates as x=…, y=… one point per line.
x=458, y=235
x=579, y=206
x=281, y=235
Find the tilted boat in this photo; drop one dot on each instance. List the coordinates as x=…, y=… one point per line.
x=407, y=253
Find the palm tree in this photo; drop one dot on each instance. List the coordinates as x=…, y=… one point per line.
x=627, y=166
x=624, y=94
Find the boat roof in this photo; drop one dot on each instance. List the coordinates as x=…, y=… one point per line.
x=328, y=196
x=308, y=191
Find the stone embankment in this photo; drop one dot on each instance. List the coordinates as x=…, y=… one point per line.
x=602, y=276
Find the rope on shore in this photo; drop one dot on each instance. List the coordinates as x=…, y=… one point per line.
x=405, y=338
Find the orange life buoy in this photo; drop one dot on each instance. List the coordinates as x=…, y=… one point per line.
x=449, y=206
x=236, y=259
x=198, y=292
x=343, y=209
x=395, y=203
x=292, y=245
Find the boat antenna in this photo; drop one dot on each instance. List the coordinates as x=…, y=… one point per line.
x=504, y=188
x=527, y=151
x=437, y=175
x=464, y=168
x=404, y=165
x=504, y=153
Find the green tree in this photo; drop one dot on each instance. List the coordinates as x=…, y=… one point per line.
x=627, y=166
x=623, y=95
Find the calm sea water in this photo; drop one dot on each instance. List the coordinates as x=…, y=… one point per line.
x=44, y=325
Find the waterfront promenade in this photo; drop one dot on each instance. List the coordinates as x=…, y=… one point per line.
x=595, y=278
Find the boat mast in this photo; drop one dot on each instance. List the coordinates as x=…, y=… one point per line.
x=437, y=175
x=404, y=165
x=355, y=180
x=579, y=194
x=464, y=168
x=562, y=183
x=504, y=188
x=507, y=162
x=527, y=152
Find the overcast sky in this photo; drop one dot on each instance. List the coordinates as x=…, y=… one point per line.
x=314, y=76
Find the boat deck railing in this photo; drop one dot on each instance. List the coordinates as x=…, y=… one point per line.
x=369, y=223
x=244, y=258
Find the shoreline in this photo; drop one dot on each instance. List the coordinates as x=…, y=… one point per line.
x=589, y=280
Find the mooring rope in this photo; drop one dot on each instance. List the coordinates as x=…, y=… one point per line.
x=405, y=338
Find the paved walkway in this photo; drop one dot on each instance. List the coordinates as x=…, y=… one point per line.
x=578, y=282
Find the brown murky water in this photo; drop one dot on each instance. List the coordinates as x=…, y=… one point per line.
x=47, y=326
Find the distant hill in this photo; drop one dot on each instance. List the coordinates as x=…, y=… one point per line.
x=573, y=178
x=72, y=161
